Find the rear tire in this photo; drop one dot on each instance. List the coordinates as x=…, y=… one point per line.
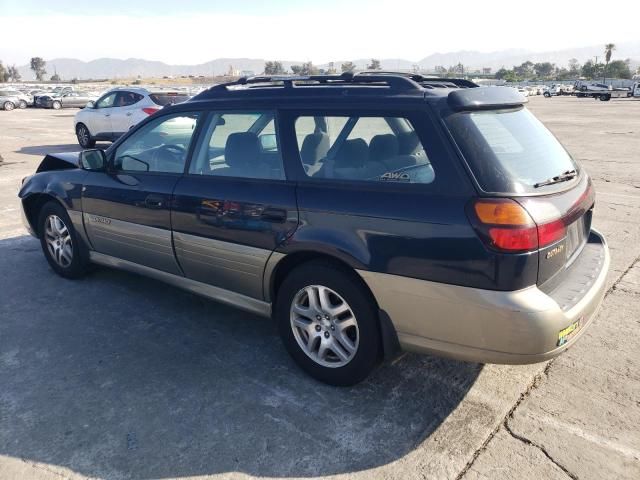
x=84, y=136
x=22, y=105
x=8, y=106
x=66, y=253
x=328, y=323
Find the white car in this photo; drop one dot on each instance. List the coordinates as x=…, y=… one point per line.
x=523, y=91
x=115, y=112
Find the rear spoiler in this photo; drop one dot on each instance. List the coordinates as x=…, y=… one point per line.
x=485, y=98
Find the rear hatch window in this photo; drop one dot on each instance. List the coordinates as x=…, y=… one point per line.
x=510, y=151
x=168, y=98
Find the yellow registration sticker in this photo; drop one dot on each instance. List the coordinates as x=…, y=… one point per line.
x=566, y=333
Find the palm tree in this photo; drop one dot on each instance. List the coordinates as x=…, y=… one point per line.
x=608, y=50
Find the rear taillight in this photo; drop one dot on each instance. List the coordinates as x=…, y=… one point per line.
x=506, y=225
x=150, y=110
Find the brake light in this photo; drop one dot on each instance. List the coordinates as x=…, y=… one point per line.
x=506, y=225
x=150, y=110
x=551, y=232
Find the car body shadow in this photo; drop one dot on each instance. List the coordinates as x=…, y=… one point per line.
x=120, y=376
x=42, y=150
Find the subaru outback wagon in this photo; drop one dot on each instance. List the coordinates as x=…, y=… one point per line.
x=366, y=213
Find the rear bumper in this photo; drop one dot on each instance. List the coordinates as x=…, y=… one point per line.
x=517, y=327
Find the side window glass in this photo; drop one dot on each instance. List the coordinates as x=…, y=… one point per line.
x=160, y=146
x=374, y=149
x=124, y=99
x=243, y=145
x=106, y=101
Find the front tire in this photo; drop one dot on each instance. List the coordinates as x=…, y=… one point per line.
x=328, y=323
x=84, y=136
x=56, y=105
x=8, y=106
x=62, y=247
x=22, y=105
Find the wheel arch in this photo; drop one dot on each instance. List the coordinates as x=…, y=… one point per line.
x=33, y=204
x=283, y=265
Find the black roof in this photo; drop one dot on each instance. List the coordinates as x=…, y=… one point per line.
x=378, y=84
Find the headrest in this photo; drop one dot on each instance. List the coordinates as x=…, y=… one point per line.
x=242, y=149
x=352, y=154
x=383, y=147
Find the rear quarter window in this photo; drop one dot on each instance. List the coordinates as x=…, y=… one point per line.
x=168, y=98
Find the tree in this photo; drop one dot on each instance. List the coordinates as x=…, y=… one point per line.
x=307, y=68
x=13, y=73
x=608, y=51
x=591, y=70
x=502, y=73
x=619, y=69
x=273, y=68
x=544, y=69
x=348, y=67
x=574, y=67
x=37, y=65
x=4, y=75
x=525, y=70
x=374, y=65
x=55, y=77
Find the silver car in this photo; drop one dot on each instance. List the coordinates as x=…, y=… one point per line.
x=10, y=99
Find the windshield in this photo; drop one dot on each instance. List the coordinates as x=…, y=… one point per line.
x=509, y=151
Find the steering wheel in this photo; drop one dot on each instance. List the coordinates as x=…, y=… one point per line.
x=170, y=153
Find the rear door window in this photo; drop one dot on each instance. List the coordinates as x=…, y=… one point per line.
x=362, y=148
x=509, y=151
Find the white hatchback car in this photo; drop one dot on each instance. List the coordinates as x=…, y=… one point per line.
x=115, y=112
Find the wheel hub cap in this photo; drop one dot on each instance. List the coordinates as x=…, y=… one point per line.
x=58, y=240
x=324, y=326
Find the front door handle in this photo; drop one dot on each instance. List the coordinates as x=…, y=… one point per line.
x=154, y=201
x=274, y=215
x=129, y=114
x=107, y=114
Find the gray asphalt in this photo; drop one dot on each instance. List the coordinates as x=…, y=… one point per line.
x=117, y=376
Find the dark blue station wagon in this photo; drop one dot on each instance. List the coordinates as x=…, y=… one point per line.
x=365, y=213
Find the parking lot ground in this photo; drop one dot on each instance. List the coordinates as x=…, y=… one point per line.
x=118, y=376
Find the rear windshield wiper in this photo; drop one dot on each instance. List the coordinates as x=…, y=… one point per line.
x=563, y=177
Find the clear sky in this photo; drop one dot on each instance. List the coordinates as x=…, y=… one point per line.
x=190, y=32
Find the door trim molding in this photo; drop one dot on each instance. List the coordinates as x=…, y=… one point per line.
x=209, y=291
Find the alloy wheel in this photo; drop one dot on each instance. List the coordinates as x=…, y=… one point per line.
x=324, y=326
x=83, y=135
x=58, y=240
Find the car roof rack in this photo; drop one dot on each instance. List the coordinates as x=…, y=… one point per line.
x=397, y=82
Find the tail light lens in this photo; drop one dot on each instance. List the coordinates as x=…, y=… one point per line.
x=506, y=225
x=150, y=110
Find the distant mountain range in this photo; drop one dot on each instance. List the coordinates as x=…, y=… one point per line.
x=69, y=68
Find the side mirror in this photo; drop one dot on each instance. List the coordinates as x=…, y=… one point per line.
x=268, y=142
x=90, y=104
x=93, y=160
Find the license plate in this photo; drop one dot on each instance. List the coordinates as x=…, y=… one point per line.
x=575, y=236
x=566, y=333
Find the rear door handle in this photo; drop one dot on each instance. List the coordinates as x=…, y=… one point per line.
x=274, y=215
x=129, y=114
x=107, y=114
x=154, y=201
